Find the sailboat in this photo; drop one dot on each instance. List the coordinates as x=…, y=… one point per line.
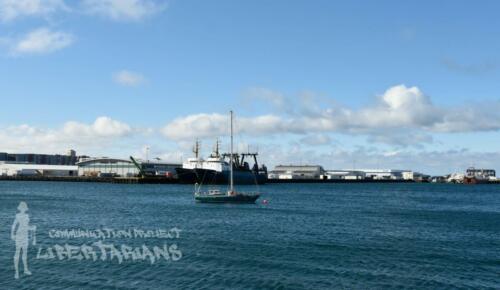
x=231, y=196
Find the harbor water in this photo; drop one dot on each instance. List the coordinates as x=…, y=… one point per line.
x=298, y=236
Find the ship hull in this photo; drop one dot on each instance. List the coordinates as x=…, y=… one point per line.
x=474, y=180
x=186, y=176
x=206, y=176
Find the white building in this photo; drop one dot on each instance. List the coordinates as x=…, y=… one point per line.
x=297, y=172
x=113, y=167
x=317, y=172
x=23, y=169
x=106, y=167
x=383, y=174
x=375, y=174
x=345, y=174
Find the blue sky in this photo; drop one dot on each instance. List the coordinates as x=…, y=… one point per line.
x=376, y=84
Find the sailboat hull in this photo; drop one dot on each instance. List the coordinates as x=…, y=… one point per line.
x=238, y=198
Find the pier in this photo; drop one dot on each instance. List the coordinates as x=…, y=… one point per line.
x=125, y=180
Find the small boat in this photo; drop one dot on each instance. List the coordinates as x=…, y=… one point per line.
x=231, y=196
x=216, y=196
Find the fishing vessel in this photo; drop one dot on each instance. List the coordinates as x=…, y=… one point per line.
x=478, y=176
x=231, y=196
x=216, y=168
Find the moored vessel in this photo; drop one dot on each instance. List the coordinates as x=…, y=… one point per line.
x=216, y=168
x=231, y=196
x=478, y=176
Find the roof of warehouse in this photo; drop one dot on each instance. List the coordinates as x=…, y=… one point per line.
x=102, y=160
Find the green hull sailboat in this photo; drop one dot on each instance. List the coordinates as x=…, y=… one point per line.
x=231, y=196
x=221, y=197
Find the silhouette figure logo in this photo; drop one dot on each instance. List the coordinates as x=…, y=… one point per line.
x=20, y=234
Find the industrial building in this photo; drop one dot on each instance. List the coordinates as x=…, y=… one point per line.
x=112, y=167
x=384, y=174
x=345, y=174
x=106, y=167
x=23, y=169
x=30, y=164
x=297, y=172
x=317, y=172
x=69, y=158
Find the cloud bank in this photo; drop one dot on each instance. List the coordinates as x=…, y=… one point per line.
x=13, y=9
x=399, y=109
x=402, y=117
x=427, y=161
x=101, y=133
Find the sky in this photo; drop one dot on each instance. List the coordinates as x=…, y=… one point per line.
x=344, y=84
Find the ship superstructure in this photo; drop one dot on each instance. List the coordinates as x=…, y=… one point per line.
x=215, y=169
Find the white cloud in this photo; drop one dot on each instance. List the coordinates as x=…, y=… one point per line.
x=470, y=118
x=426, y=161
x=106, y=135
x=12, y=9
x=133, y=10
x=216, y=125
x=102, y=127
x=99, y=134
x=196, y=126
x=40, y=41
x=400, y=108
x=129, y=78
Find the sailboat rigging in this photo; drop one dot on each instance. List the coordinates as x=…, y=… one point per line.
x=231, y=196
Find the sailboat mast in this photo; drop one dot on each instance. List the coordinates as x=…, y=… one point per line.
x=231, y=181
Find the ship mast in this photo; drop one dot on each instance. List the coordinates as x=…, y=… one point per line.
x=231, y=181
x=196, y=148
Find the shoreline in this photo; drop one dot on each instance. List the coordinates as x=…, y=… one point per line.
x=137, y=180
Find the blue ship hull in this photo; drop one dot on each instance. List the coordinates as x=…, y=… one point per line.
x=205, y=176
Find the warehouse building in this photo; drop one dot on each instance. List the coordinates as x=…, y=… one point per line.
x=297, y=172
x=69, y=158
x=31, y=164
x=384, y=174
x=23, y=169
x=345, y=175
x=113, y=167
x=106, y=167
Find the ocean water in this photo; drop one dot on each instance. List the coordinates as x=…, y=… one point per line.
x=307, y=236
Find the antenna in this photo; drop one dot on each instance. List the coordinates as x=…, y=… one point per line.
x=196, y=148
x=216, y=149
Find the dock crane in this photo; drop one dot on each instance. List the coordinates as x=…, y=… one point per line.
x=142, y=173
